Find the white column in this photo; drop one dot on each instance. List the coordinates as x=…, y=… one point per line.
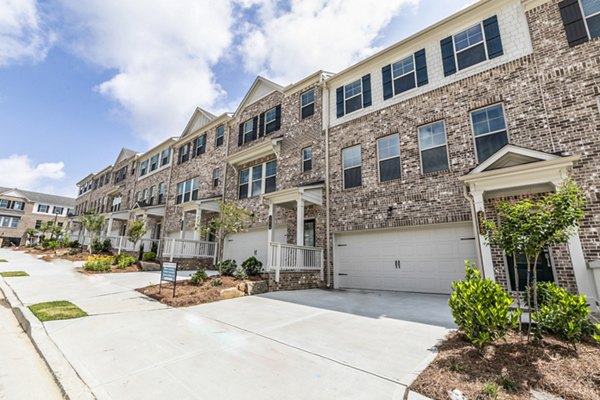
x=486, y=251
x=182, y=226
x=270, y=226
x=197, y=224
x=300, y=222
x=109, y=227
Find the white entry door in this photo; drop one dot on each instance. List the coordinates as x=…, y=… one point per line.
x=240, y=246
x=424, y=259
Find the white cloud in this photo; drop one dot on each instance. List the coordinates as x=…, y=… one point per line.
x=313, y=34
x=25, y=174
x=163, y=53
x=22, y=34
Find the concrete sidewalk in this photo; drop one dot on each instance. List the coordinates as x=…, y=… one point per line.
x=311, y=344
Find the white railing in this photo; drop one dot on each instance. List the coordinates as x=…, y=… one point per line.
x=180, y=248
x=289, y=257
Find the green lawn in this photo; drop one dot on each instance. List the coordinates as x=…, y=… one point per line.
x=54, y=310
x=12, y=274
x=3, y=260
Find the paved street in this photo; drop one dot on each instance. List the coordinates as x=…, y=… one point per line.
x=311, y=344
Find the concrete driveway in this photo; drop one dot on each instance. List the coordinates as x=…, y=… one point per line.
x=311, y=344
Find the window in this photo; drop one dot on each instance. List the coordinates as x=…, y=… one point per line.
x=307, y=159
x=307, y=103
x=403, y=75
x=216, y=176
x=388, y=156
x=351, y=164
x=165, y=157
x=270, y=176
x=144, y=168
x=271, y=120
x=145, y=196
x=138, y=196
x=116, y=204
x=4, y=203
x=161, y=193
x=38, y=223
x=258, y=180
x=133, y=165
x=121, y=174
x=489, y=129
x=43, y=208
x=152, y=195
x=184, y=153
x=591, y=13
x=18, y=205
x=58, y=210
x=432, y=143
x=187, y=190
x=469, y=46
x=244, y=175
x=220, y=135
x=309, y=232
x=154, y=162
x=249, y=131
x=353, y=96
x=9, y=222
x=200, y=145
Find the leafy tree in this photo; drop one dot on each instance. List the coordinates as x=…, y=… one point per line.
x=231, y=219
x=93, y=223
x=137, y=229
x=528, y=227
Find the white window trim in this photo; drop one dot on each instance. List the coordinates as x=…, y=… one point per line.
x=489, y=133
x=585, y=18
x=360, y=93
x=421, y=149
x=399, y=156
x=221, y=136
x=263, y=179
x=246, y=123
x=306, y=159
x=483, y=40
x=414, y=72
x=159, y=168
x=274, y=110
x=191, y=180
x=356, y=166
x=302, y=106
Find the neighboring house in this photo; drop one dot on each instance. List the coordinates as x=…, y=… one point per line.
x=389, y=165
x=21, y=210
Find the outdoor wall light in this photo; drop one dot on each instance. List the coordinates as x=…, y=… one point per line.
x=390, y=210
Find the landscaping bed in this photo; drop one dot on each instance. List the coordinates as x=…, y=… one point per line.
x=188, y=294
x=515, y=366
x=113, y=269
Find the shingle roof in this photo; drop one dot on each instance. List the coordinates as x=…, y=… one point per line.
x=43, y=197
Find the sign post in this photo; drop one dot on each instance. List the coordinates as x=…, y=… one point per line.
x=168, y=273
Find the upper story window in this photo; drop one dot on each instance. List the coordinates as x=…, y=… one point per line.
x=307, y=103
x=9, y=222
x=216, y=175
x=200, y=145
x=12, y=205
x=38, y=223
x=353, y=96
x=133, y=165
x=489, y=129
x=184, y=153
x=270, y=120
x=116, y=204
x=388, y=157
x=404, y=75
x=58, y=210
x=186, y=191
x=152, y=195
x=145, y=196
x=249, y=131
x=220, y=135
x=472, y=46
x=581, y=20
x=434, y=151
x=306, y=159
x=43, y=208
x=351, y=164
x=121, y=174
x=591, y=13
x=165, y=157
x=154, y=162
x=258, y=180
x=144, y=168
x=161, y=193
x=261, y=125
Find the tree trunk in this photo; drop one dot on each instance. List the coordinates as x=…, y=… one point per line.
x=516, y=272
x=528, y=295
x=535, y=302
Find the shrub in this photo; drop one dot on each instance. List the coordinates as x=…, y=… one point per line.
x=149, y=256
x=52, y=244
x=240, y=274
x=101, y=246
x=490, y=390
x=199, y=277
x=74, y=251
x=227, y=267
x=562, y=313
x=481, y=309
x=252, y=266
x=216, y=282
x=74, y=244
x=98, y=263
x=123, y=261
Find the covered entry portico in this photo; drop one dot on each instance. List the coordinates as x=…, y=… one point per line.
x=519, y=172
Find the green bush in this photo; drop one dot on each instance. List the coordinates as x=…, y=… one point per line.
x=74, y=244
x=52, y=244
x=227, y=267
x=101, y=246
x=216, y=282
x=98, y=263
x=74, y=251
x=562, y=313
x=240, y=274
x=252, y=266
x=149, y=256
x=199, y=277
x=123, y=261
x=481, y=309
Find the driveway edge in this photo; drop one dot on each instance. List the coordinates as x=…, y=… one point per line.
x=70, y=383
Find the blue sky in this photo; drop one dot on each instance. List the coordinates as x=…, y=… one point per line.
x=80, y=80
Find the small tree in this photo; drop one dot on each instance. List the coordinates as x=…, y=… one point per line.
x=137, y=229
x=93, y=223
x=231, y=219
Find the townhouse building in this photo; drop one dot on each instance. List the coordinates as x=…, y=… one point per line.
x=378, y=176
x=21, y=210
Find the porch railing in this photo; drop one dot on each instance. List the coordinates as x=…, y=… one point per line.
x=289, y=257
x=181, y=248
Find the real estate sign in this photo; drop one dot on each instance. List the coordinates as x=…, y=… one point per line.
x=168, y=273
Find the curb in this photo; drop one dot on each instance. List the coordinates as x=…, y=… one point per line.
x=70, y=383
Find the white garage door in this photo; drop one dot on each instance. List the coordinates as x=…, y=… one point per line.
x=416, y=260
x=240, y=246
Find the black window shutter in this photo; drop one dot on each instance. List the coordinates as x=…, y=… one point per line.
x=573, y=22
x=241, y=135
x=278, y=117
x=339, y=93
x=366, y=90
x=421, y=68
x=261, y=125
x=448, y=56
x=178, y=156
x=254, y=127
x=194, y=147
x=492, y=37
x=386, y=78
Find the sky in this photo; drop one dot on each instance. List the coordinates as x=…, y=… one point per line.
x=79, y=80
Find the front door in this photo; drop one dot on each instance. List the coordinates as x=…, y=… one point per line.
x=309, y=232
x=157, y=229
x=544, y=269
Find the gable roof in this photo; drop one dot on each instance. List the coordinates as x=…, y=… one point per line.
x=259, y=89
x=200, y=117
x=510, y=156
x=125, y=154
x=40, y=197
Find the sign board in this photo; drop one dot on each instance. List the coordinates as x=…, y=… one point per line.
x=168, y=273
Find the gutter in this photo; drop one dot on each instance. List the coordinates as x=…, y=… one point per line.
x=325, y=111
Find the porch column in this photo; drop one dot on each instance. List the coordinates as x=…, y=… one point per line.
x=197, y=223
x=300, y=222
x=109, y=227
x=486, y=251
x=270, y=225
x=182, y=225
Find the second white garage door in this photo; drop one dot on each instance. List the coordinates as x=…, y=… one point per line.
x=416, y=260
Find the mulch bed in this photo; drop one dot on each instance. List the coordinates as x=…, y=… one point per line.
x=51, y=255
x=516, y=366
x=114, y=270
x=187, y=294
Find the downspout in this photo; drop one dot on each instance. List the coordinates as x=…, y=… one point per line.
x=325, y=110
x=475, y=228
